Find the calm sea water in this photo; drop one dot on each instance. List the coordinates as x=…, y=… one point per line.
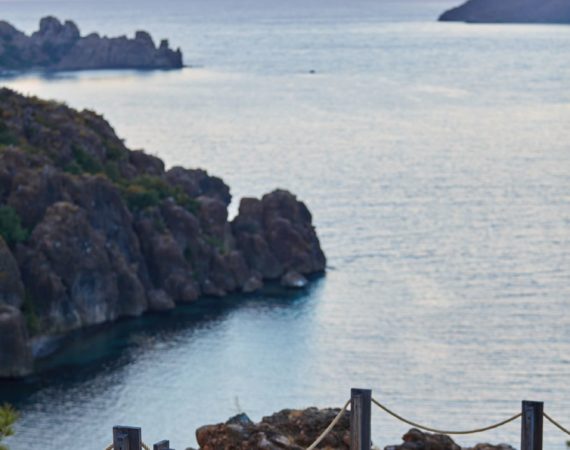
x=436, y=160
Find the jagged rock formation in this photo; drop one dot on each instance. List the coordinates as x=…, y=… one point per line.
x=92, y=231
x=510, y=11
x=298, y=429
x=285, y=430
x=57, y=46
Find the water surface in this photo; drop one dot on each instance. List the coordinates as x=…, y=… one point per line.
x=435, y=159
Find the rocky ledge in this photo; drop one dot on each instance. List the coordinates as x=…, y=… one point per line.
x=57, y=46
x=298, y=429
x=91, y=231
x=510, y=11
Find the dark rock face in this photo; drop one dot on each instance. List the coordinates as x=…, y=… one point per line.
x=510, y=11
x=420, y=440
x=287, y=429
x=109, y=233
x=276, y=236
x=57, y=46
x=15, y=353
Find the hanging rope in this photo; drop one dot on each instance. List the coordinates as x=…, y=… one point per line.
x=435, y=430
x=330, y=427
x=555, y=423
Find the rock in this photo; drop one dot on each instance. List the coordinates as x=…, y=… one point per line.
x=57, y=46
x=287, y=429
x=158, y=300
x=416, y=439
x=510, y=11
x=11, y=287
x=111, y=234
x=253, y=284
x=15, y=352
x=293, y=279
x=276, y=235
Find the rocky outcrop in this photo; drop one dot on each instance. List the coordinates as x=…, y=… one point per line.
x=298, y=429
x=285, y=430
x=510, y=11
x=91, y=231
x=416, y=439
x=59, y=46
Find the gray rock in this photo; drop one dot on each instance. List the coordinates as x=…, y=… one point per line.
x=15, y=352
x=11, y=287
x=294, y=280
x=510, y=11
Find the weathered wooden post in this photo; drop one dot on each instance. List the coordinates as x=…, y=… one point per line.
x=531, y=425
x=127, y=438
x=360, y=414
x=162, y=445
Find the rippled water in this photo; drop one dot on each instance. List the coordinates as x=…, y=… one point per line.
x=436, y=160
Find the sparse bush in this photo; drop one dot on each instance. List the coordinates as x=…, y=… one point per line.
x=10, y=226
x=8, y=416
x=85, y=161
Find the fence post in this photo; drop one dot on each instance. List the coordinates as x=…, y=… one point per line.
x=531, y=425
x=360, y=412
x=162, y=445
x=127, y=438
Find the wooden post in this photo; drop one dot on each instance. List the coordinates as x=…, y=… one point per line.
x=127, y=438
x=531, y=425
x=360, y=414
x=162, y=445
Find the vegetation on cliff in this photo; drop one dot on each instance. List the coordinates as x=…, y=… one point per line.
x=92, y=231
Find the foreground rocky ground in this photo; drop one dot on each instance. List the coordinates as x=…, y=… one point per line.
x=91, y=231
x=57, y=46
x=298, y=429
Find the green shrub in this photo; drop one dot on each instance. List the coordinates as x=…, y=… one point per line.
x=10, y=226
x=138, y=198
x=6, y=136
x=8, y=416
x=29, y=311
x=85, y=161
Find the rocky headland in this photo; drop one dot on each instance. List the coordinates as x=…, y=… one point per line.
x=510, y=11
x=60, y=46
x=297, y=429
x=91, y=231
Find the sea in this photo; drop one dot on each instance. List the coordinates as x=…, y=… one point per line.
x=435, y=158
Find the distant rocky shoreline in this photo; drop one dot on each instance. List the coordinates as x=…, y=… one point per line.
x=510, y=11
x=91, y=231
x=60, y=46
x=292, y=429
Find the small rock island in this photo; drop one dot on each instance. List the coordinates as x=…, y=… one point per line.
x=510, y=11
x=57, y=46
x=91, y=231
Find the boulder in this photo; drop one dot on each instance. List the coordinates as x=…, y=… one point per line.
x=287, y=429
x=416, y=439
x=15, y=352
x=294, y=280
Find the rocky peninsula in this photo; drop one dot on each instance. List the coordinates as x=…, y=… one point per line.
x=91, y=231
x=510, y=11
x=292, y=429
x=57, y=46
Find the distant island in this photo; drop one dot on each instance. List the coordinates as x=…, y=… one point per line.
x=57, y=46
x=91, y=231
x=510, y=11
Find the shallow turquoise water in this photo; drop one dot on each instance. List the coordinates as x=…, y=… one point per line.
x=436, y=160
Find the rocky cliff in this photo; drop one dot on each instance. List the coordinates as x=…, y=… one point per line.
x=57, y=46
x=510, y=11
x=91, y=231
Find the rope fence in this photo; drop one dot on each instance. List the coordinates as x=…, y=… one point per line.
x=532, y=414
